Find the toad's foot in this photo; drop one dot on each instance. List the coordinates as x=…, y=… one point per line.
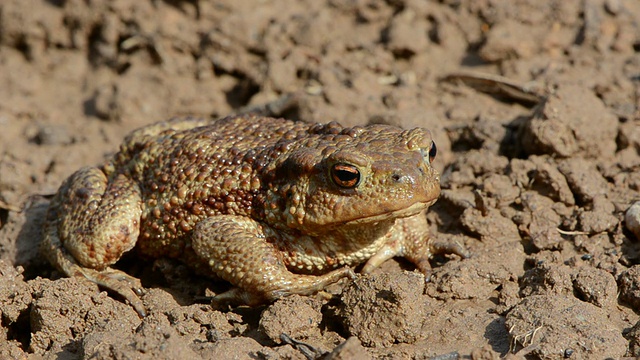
x=240, y=251
x=119, y=282
x=114, y=280
x=298, y=284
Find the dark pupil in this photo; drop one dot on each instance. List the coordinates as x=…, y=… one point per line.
x=346, y=176
x=433, y=151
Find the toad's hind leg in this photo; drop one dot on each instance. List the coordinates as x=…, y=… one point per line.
x=90, y=223
x=237, y=250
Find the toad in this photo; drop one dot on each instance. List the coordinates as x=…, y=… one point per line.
x=273, y=206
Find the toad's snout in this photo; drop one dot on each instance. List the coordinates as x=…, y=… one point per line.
x=415, y=171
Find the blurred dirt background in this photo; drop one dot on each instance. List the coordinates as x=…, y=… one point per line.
x=534, y=105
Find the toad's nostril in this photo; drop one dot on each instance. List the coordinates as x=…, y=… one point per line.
x=399, y=178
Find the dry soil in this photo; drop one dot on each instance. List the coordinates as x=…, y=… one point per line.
x=534, y=105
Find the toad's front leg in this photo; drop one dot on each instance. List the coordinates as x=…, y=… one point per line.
x=409, y=238
x=239, y=250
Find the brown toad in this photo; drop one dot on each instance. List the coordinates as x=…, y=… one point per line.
x=274, y=207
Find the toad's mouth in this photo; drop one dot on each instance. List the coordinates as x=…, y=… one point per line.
x=396, y=214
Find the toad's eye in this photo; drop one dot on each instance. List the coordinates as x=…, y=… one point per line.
x=433, y=152
x=345, y=175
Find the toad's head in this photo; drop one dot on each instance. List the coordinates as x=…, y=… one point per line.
x=363, y=175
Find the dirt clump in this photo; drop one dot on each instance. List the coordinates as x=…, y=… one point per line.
x=552, y=323
x=380, y=310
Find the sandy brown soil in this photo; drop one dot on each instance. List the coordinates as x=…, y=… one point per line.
x=534, y=105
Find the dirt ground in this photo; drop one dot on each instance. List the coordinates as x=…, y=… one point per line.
x=534, y=106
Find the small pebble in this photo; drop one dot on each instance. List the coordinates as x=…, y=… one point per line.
x=632, y=219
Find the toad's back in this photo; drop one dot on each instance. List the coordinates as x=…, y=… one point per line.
x=191, y=169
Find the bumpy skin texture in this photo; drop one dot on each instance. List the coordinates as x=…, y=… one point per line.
x=273, y=206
